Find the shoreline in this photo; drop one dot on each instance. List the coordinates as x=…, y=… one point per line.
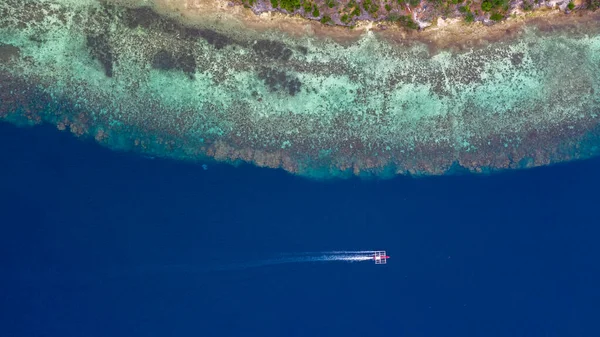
x=136, y=79
x=454, y=33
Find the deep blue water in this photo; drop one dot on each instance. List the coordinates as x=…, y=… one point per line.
x=100, y=243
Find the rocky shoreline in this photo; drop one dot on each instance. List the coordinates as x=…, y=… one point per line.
x=412, y=14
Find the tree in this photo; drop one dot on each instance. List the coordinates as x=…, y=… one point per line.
x=486, y=6
x=496, y=17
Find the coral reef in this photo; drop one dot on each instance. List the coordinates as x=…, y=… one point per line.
x=135, y=79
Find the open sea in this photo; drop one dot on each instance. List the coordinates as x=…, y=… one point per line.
x=99, y=243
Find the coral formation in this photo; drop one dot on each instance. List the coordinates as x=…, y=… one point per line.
x=136, y=79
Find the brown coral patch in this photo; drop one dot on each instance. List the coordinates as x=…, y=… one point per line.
x=8, y=52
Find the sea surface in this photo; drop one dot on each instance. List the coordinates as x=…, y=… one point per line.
x=97, y=243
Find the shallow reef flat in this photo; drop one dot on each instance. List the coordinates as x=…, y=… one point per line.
x=206, y=79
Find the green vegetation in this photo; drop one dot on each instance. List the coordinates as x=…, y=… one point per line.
x=486, y=6
x=394, y=17
x=469, y=18
x=496, y=17
x=307, y=6
x=409, y=23
x=496, y=8
x=466, y=9
x=326, y=19
x=371, y=6
x=402, y=20
x=353, y=8
x=350, y=10
x=290, y=5
x=593, y=4
x=315, y=11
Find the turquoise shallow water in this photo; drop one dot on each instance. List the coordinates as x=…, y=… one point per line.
x=135, y=80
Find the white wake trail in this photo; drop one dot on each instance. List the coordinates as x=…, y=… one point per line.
x=284, y=258
x=333, y=252
x=348, y=257
x=353, y=252
x=304, y=258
